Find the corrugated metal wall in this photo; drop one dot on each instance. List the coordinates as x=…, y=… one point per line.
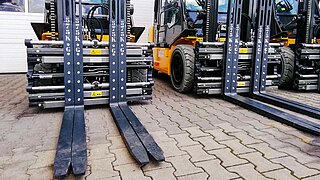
x=14, y=29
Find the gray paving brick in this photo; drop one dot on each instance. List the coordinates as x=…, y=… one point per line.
x=172, y=129
x=102, y=168
x=219, y=135
x=283, y=174
x=156, y=165
x=184, y=140
x=237, y=147
x=209, y=143
x=171, y=149
x=131, y=172
x=261, y=163
x=267, y=152
x=160, y=174
x=317, y=177
x=228, y=128
x=198, y=176
x=99, y=151
x=215, y=170
x=247, y=171
x=298, y=169
x=299, y=155
x=183, y=166
x=245, y=138
x=40, y=173
x=197, y=153
x=195, y=132
x=122, y=156
x=227, y=158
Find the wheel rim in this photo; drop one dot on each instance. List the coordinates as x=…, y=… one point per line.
x=177, y=68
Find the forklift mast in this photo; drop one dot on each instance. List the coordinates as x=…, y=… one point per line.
x=80, y=72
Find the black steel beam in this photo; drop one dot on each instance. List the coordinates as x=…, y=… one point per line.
x=260, y=66
x=71, y=151
x=261, y=47
x=139, y=142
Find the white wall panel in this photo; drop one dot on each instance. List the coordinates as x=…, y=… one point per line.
x=143, y=16
x=14, y=28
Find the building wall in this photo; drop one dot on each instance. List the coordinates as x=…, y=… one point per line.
x=14, y=29
x=143, y=16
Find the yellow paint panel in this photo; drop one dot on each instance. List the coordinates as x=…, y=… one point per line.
x=222, y=39
x=95, y=52
x=291, y=41
x=241, y=84
x=96, y=94
x=243, y=50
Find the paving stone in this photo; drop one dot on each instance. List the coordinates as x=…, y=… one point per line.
x=245, y=138
x=267, y=152
x=156, y=165
x=97, y=138
x=262, y=164
x=99, y=151
x=152, y=127
x=45, y=173
x=195, y=132
x=314, y=165
x=184, y=140
x=227, y=158
x=102, y=168
x=273, y=142
x=317, y=177
x=298, y=169
x=205, y=125
x=275, y=132
x=209, y=143
x=219, y=135
x=215, y=170
x=131, y=172
x=163, y=173
x=198, y=176
x=172, y=129
x=253, y=131
x=283, y=174
x=228, y=128
x=161, y=136
x=302, y=157
x=122, y=156
x=44, y=159
x=116, y=142
x=197, y=153
x=236, y=146
x=183, y=166
x=171, y=149
x=247, y=171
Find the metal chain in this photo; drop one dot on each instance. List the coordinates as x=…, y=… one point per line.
x=53, y=19
x=208, y=21
x=128, y=21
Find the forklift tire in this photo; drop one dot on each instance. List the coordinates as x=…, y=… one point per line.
x=287, y=64
x=182, y=68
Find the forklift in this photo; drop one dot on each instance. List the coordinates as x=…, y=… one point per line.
x=87, y=55
x=225, y=49
x=298, y=25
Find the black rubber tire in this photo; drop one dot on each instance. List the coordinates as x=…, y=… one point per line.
x=182, y=79
x=155, y=73
x=287, y=64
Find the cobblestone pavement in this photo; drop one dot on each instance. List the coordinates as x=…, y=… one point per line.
x=202, y=138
